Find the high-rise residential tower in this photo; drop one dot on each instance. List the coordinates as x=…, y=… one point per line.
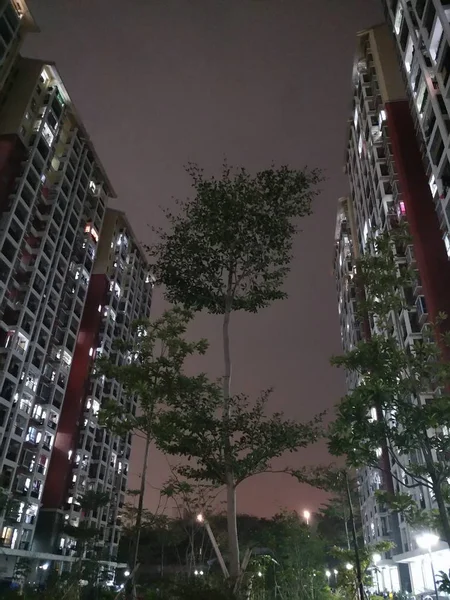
x=388, y=183
x=53, y=195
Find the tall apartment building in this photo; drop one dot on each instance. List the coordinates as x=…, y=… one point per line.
x=422, y=32
x=388, y=182
x=53, y=194
x=15, y=22
x=86, y=456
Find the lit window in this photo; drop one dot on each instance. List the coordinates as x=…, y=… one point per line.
x=69, y=454
x=433, y=185
x=382, y=117
x=44, y=76
x=409, y=53
x=447, y=244
x=47, y=134
x=95, y=407
x=378, y=452
x=355, y=117
x=435, y=38
x=91, y=351
x=398, y=18
x=99, y=308
x=92, y=231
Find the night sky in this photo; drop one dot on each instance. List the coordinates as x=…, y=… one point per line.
x=162, y=82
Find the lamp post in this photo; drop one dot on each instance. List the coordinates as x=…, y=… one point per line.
x=335, y=573
x=201, y=519
x=328, y=575
x=307, y=516
x=426, y=541
x=376, y=559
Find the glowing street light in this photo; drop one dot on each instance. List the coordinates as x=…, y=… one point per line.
x=426, y=541
x=259, y=574
x=376, y=559
x=349, y=566
x=307, y=516
x=328, y=575
x=127, y=573
x=201, y=519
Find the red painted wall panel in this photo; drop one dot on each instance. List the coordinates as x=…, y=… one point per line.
x=429, y=247
x=58, y=477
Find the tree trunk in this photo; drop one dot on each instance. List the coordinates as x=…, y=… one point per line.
x=135, y=556
x=355, y=541
x=233, y=542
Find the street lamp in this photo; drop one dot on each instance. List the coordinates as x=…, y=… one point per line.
x=376, y=559
x=426, y=541
x=307, y=516
x=349, y=566
x=127, y=573
x=328, y=575
x=201, y=519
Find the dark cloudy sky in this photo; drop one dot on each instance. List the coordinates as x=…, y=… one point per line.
x=162, y=82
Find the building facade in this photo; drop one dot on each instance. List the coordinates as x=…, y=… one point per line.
x=422, y=32
x=86, y=456
x=388, y=182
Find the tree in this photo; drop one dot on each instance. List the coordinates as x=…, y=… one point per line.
x=400, y=408
x=229, y=248
x=151, y=372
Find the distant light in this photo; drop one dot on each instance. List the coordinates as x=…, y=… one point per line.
x=349, y=566
x=259, y=574
x=328, y=574
x=200, y=518
x=45, y=567
x=127, y=573
x=195, y=572
x=201, y=572
x=376, y=558
x=335, y=571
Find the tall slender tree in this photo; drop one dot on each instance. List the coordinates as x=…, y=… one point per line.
x=227, y=249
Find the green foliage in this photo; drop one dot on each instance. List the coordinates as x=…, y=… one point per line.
x=347, y=582
x=401, y=402
x=415, y=516
x=152, y=372
x=443, y=582
x=234, y=238
x=195, y=429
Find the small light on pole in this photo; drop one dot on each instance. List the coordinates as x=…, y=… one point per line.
x=307, y=516
x=328, y=575
x=376, y=559
x=127, y=573
x=426, y=541
x=349, y=566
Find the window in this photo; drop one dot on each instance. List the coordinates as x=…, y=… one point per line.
x=47, y=134
x=436, y=37
x=33, y=435
x=409, y=54
x=398, y=18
